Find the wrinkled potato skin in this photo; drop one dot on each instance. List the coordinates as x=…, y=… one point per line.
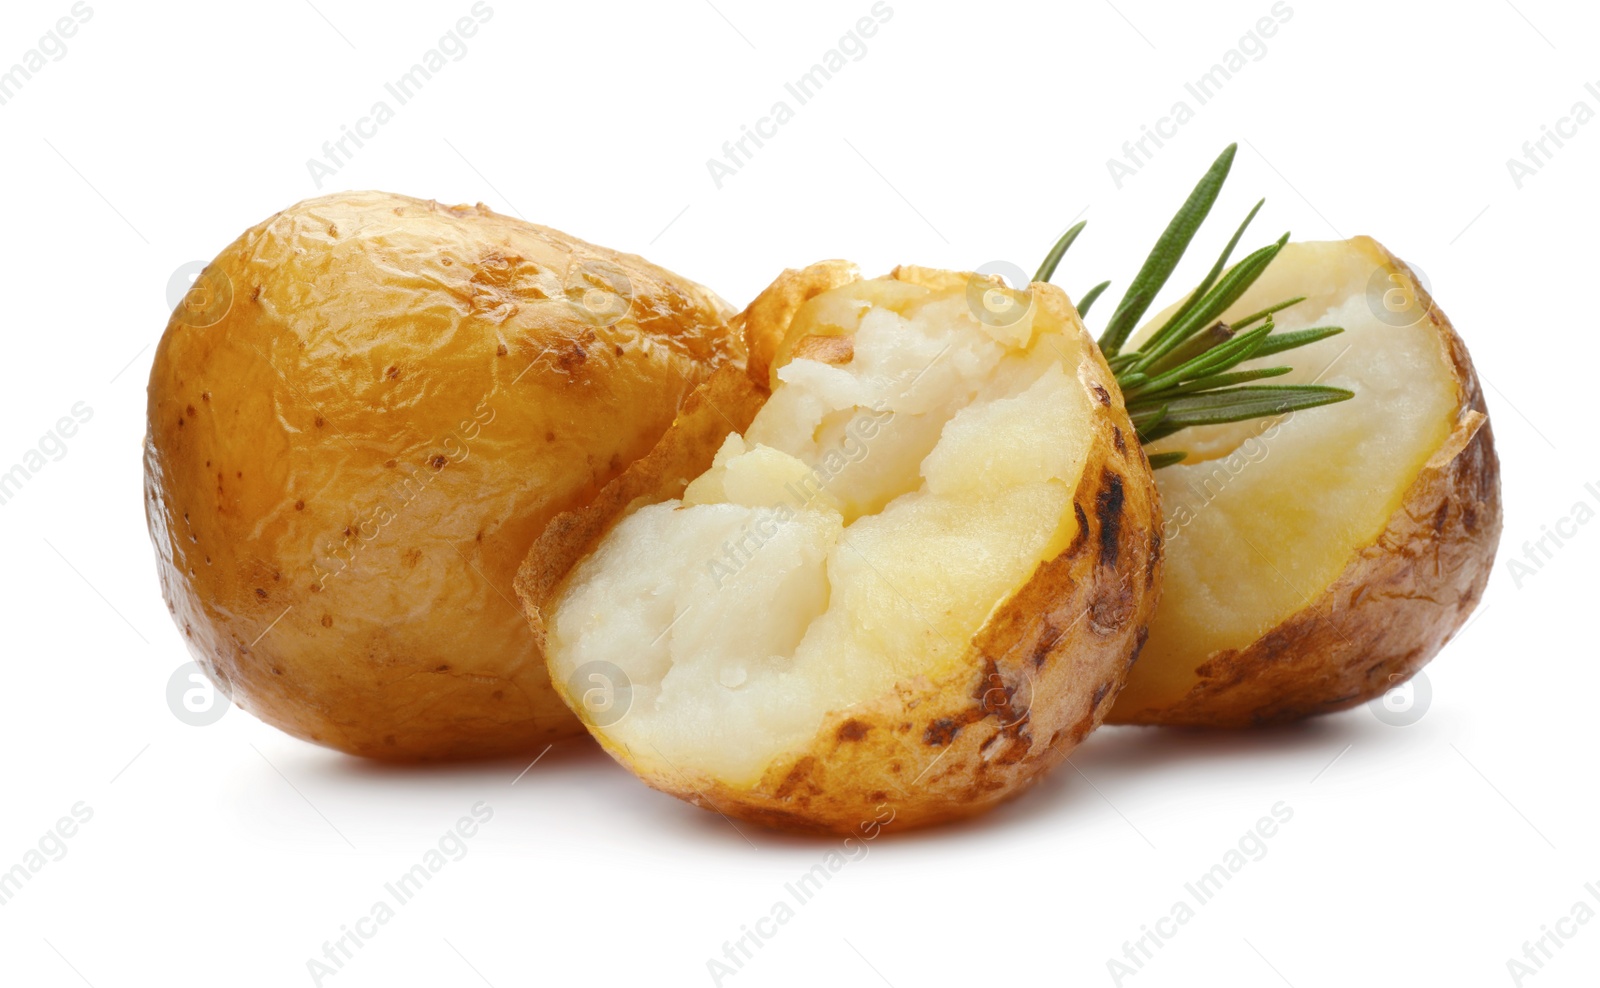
x=1038, y=677
x=342, y=474
x=1396, y=603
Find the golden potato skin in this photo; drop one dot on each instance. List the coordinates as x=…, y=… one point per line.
x=1396, y=603
x=1038, y=676
x=344, y=468
x=764, y=323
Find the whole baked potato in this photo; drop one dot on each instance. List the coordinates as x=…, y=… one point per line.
x=359, y=419
x=1316, y=561
x=888, y=577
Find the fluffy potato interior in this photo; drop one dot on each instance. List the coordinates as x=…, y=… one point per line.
x=912, y=467
x=1264, y=515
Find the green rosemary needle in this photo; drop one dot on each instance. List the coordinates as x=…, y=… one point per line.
x=1184, y=374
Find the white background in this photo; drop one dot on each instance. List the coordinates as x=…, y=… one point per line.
x=1422, y=855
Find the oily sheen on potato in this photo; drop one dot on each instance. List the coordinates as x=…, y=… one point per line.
x=901, y=585
x=1316, y=561
x=360, y=419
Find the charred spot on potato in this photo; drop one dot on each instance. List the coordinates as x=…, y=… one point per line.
x=327, y=620
x=797, y=775
x=852, y=730
x=993, y=695
x=1108, y=504
x=941, y=733
x=1117, y=440
x=1102, y=395
x=261, y=593
x=439, y=461
x=1080, y=538
x=1048, y=636
x=392, y=372
x=572, y=353
x=299, y=506
x=1139, y=639
x=1441, y=516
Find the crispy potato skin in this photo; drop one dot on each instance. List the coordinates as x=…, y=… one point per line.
x=764, y=324
x=343, y=471
x=1037, y=677
x=1395, y=604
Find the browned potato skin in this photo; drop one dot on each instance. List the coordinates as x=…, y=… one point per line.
x=359, y=453
x=1396, y=603
x=765, y=322
x=1037, y=678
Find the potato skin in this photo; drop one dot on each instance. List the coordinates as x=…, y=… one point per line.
x=345, y=465
x=764, y=323
x=1397, y=601
x=1038, y=676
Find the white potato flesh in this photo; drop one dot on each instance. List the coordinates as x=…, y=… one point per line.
x=857, y=535
x=1265, y=514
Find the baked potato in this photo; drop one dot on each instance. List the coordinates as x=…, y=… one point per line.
x=360, y=418
x=887, y=577
x=1316, y=561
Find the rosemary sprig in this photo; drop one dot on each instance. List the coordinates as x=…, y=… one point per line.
x=1183, y=375
x=1048, y=267
x=1089, y=297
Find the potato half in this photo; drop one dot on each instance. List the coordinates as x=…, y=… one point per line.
x=360, y=418
x=898, y=588
x=1318, y=560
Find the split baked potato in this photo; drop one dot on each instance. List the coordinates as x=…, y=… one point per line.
x=1318, y=560
x=894, y=572
x=360, y=418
